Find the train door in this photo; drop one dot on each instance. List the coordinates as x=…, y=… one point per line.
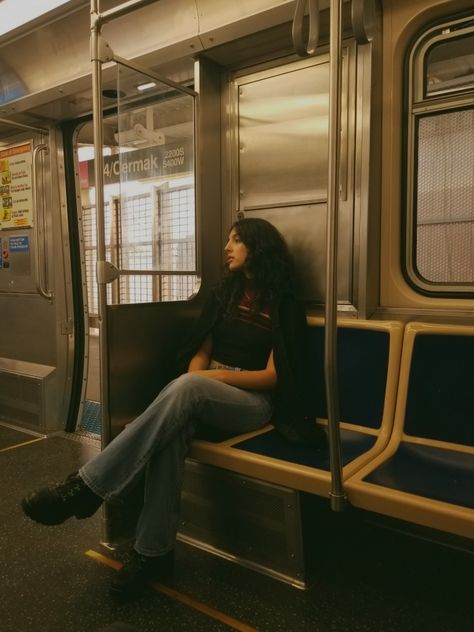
x=36, y=331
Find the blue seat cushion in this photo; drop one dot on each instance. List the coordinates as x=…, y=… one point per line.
x=445, y=475
x=273, y=445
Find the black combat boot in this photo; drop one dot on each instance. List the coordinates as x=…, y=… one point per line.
x=54, y=505
x=132, y=579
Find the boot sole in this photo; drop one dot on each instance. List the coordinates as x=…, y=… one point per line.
x=40, y=516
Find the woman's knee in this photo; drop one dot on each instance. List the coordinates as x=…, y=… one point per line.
x=190, y=383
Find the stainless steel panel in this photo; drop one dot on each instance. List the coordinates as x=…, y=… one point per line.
x=28, y=329
x=283, y=137
x=304, y=228
x=254, y=523
x=280, y=119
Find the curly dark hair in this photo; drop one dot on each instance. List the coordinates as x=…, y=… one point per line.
x=269, y=264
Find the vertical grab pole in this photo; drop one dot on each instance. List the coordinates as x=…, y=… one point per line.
x=100, y=224
x=100, y=220
x=330, y=340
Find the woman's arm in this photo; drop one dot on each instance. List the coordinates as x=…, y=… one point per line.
x=200, y=360
x=263, y=380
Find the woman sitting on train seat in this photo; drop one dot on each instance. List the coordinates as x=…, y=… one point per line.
x=241, y=368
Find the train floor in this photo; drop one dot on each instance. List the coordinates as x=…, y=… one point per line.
x=55, y=579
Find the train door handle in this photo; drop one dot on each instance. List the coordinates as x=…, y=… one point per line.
x=40, y=248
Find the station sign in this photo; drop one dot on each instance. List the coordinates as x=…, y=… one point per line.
x=157, y=161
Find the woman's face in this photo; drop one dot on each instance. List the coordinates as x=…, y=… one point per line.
x=236, y=251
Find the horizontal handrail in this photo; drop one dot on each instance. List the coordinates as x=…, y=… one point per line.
x=128, y=272
x=153, y=75
x=30, y=128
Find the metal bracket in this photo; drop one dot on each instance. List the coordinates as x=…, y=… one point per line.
x=103, y=53
x=106, y=272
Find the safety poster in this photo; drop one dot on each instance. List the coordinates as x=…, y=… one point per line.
x=16, y=196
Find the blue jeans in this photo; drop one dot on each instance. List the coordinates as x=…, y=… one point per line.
x=156, y=443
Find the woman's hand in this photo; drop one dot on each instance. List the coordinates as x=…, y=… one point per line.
x=214, y=374
x=263, y=380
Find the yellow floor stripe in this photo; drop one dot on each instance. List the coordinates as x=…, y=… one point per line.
x=177, y=596
x=19, y=445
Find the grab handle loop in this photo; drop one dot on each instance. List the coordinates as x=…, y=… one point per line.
x=363, y=15
x=302, y=48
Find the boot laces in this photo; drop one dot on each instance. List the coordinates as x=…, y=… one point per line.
x=69, y=489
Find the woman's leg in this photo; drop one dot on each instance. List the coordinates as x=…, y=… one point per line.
x=115, y=470
x=221, y=406
x=157, y=440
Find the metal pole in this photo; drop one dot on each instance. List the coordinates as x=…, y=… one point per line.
x=31, y=128
x=99, y=206
x=100, y=224
x=330, y=342
x=100, y=221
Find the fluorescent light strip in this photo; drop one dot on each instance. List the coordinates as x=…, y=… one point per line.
x=146, y=86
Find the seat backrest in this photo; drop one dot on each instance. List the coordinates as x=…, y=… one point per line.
x=363, y=353
x=440, y=392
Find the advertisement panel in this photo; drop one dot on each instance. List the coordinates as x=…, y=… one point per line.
x=16, y=194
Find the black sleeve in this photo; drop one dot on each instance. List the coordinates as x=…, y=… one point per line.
x=290, y=353
x=294, y=414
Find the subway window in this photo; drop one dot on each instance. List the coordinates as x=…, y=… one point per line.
x=149, y=196
x=440, y=161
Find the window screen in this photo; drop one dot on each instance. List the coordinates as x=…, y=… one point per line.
x=445, y=198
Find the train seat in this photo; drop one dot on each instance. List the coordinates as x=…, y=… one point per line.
x=368, y=365
x=425, y=475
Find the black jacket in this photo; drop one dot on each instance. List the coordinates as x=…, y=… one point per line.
x=293, y=416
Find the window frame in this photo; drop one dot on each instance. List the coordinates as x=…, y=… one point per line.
x=418, y=104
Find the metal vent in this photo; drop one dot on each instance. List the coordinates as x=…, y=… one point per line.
x=27, y=393
x=20, y=399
